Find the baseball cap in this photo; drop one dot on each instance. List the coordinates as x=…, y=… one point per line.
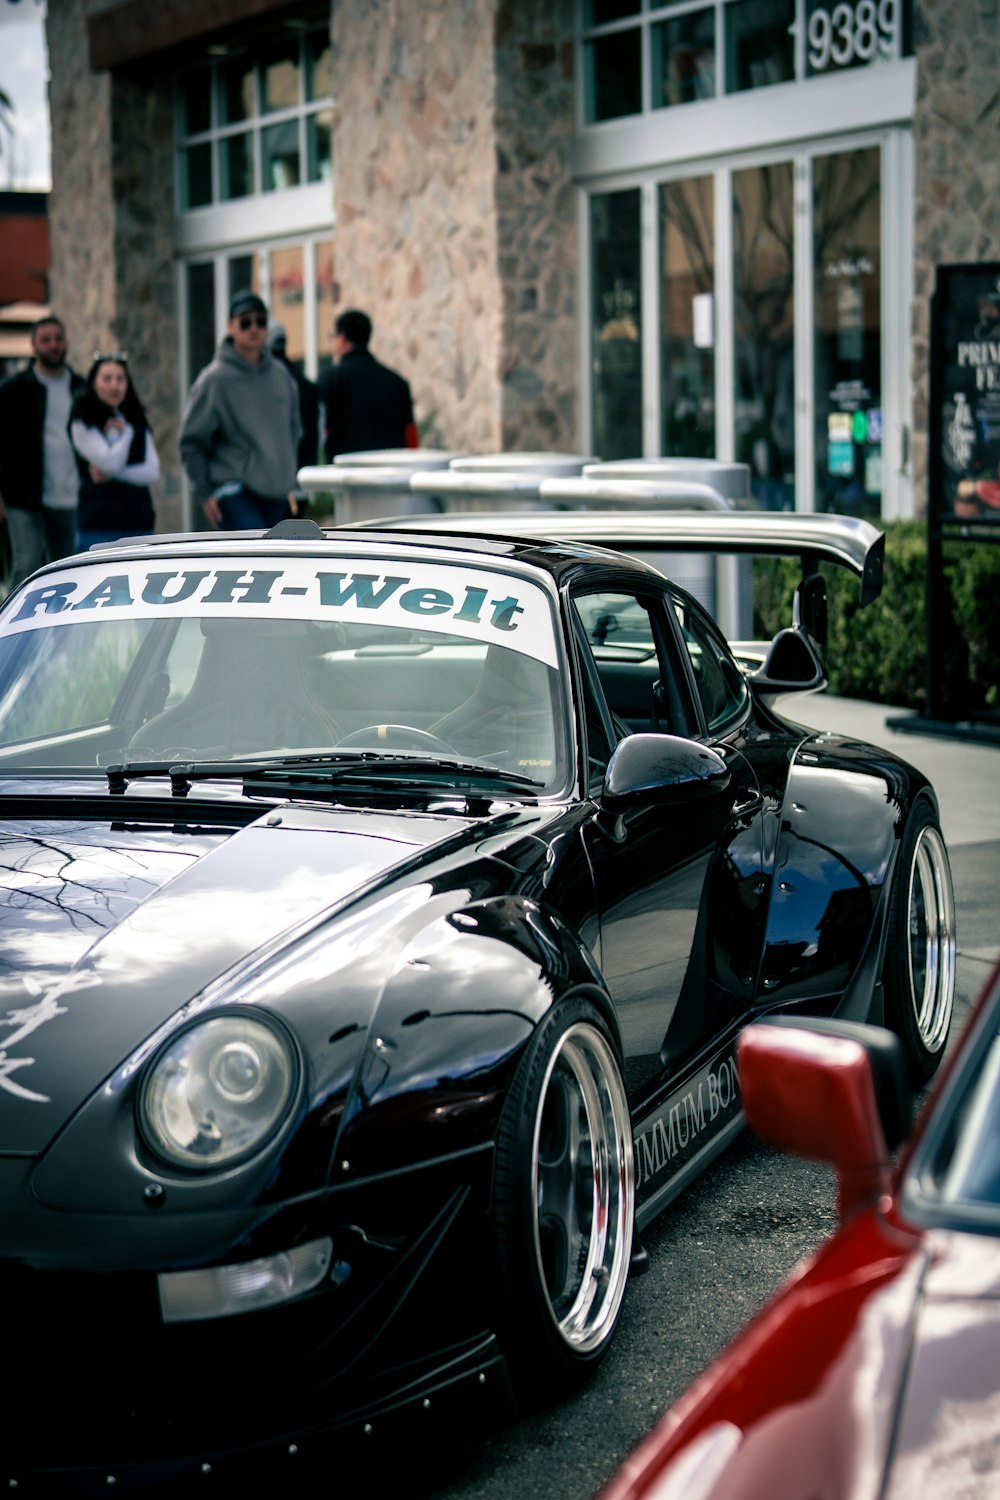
x=246, y=302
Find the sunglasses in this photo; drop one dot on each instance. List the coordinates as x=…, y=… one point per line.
x=118, y=357
x=253, y=320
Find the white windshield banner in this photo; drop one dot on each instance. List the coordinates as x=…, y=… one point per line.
x=456, y=600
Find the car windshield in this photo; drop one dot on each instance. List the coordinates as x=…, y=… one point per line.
x=222, y=658
x=956, y=1175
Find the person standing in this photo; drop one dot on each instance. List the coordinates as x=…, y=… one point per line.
x=308, y=396
x=367, y=404
x=38, y=473
x=241, y=428
x=116, y=456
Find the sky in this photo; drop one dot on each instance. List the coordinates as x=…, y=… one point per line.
x=24, y=155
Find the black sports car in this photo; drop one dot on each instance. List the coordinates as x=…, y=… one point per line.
x=380, y=911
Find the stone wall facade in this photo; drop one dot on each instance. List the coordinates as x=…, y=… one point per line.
x=454, y=222
x=111, y=212
x=414, y=172
x=956, y=140
x=536, y=207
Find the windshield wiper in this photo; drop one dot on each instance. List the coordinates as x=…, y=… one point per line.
x=370, y=769
x=356, y=768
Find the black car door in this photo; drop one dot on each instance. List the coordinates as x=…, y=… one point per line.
x=667, y=879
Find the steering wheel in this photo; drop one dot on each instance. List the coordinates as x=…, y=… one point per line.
x=397, y=737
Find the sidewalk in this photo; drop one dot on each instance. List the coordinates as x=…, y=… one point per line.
x=966, y=777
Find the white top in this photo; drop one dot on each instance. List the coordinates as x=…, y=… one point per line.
x=108, y=451
x=60, y=480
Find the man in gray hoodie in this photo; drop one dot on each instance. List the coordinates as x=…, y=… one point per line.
x=240, y=434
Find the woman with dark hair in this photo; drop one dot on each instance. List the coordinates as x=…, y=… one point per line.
x=115, y=454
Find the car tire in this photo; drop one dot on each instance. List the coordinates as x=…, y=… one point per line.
x=919, y=970
x=564, y=1202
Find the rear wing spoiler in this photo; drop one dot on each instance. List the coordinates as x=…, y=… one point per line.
x=814, y=538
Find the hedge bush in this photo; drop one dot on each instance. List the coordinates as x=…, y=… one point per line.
x=880, y=653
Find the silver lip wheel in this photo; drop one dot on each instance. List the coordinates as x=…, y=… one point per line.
x=931, y=947
x=583, y=1179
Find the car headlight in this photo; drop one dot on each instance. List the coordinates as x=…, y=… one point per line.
x=218, y=1091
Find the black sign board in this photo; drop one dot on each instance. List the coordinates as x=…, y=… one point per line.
x=964, y=467
x=963, y=472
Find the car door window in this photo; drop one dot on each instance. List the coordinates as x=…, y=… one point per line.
x=720, y=685
x=628, y=640
x=619, y=635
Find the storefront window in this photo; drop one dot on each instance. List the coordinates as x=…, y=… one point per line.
x=243, y=275
x=687, y=239
x=684, y=59
x=236, y=91
x=279, y=146
x=319, y=147
x=288, y=300
x=280, y=81
x=764, y=330
x=760, y=43
x=259, y=122
x=319, y=66
x=847, y=268
x=616, y=324
x=236, y=166
x=327, y=293
x=200, y=298
x=196, y=176
x=613, y=68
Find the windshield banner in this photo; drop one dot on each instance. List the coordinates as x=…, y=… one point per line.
x=459, y=601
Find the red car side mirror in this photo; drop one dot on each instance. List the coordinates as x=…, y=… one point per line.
x=831, y=1091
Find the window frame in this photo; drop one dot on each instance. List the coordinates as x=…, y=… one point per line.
x=257, y=122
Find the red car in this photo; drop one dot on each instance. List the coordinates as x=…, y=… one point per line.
x=875, y=1371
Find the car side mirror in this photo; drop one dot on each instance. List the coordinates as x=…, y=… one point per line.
x=660, y=768
x=792, y=665
x=809, y=609
x=833, y=1091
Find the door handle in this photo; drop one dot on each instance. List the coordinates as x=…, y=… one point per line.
x=743, y=812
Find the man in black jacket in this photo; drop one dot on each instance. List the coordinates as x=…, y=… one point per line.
x=367, y=404
x=39, y=480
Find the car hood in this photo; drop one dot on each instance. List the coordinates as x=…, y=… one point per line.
x=948, y=1425
x=107, y=929
x=873, y=1375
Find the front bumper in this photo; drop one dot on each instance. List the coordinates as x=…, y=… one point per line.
x=100, y=1391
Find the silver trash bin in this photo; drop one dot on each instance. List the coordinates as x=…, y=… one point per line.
x=498, y=481
x=373, y=484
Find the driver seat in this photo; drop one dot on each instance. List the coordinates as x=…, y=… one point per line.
x=250, y=695
x=508, y=716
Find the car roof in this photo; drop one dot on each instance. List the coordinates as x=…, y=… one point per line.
x=553, y=556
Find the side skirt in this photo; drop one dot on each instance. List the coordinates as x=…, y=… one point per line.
x=678, y=1137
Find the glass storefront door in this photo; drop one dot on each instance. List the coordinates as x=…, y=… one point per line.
x=763, y=206
x=847, y=361
x=687, y=277
x=616, y=321
x=778, y=341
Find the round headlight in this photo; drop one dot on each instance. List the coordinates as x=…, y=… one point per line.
x=218, y=1091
